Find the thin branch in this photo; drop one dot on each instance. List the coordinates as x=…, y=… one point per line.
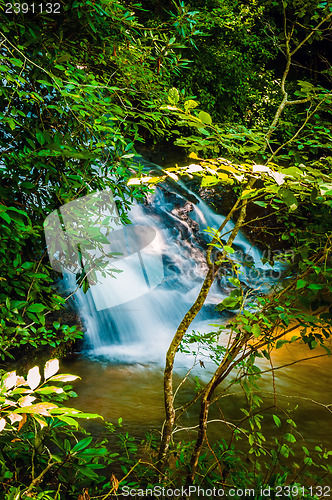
x=298, y=131
x=292, y=363
x=114, y=487
x=185, y=378
x=273, y=382
x=37, y=480
x=310, y=34
x=328, y=407
x=298, y=101
x=288, y=54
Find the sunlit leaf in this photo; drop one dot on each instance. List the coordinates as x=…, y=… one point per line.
x=39, y=408
x=33, y=378
x=173, y=96
x=205, y=117
x=278, y=177
x=14, y=417
x=190, y=104
x=26, y=401
x=194, y=168
x=64, y=378
x=40, y=419
x=51, y=368
x=9, y=380
x=50, y=390
x=260, y=168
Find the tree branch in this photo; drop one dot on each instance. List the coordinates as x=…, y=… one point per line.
x=310, y=34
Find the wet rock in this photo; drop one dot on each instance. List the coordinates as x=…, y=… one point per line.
x=182, y=213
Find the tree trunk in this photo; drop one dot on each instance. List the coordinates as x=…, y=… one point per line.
x=220, y=374
x=182, y=329
x=170, y=356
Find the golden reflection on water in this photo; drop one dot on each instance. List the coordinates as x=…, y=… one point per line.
x=135, y=393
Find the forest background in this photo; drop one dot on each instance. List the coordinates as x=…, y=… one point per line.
x=245, y=89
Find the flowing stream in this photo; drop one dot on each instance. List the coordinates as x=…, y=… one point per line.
x=130, y=320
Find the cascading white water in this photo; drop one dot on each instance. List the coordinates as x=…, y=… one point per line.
x=126, y=320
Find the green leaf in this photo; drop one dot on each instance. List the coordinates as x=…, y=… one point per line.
x=88, y=415
x=256, y=330
x=16, y=62
x=290, y=438
x=301, y=284
x=190, y=104
x=86, y=471
x=293, y=172
x=5, y=217
x=284, y=451
x=280, y=343
x=228, y=249
x=315, y=286
x=205, y=117
x=84, y=443
x=63, y=58
x=231, y=302
x=248, y=193
x=36, y=308
x=40, y=137
x=260, y=203
x=93, y=452
x=289, y=198
x=50, y=390
x=235, y=281
x=325, y=189
x=277, y=420
x=173, y=96
x=251, y=439
x=209, y=180
x=27, y=265
x=203, y=131
x=68, y=420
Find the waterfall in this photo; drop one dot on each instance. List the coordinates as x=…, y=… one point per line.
x=131, y=317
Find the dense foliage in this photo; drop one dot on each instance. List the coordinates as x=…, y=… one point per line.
x=79, y=91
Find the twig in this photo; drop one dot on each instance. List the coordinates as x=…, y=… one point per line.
x=113, y=487
x=40, y=477
x=273, y=382
x=185, y=377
